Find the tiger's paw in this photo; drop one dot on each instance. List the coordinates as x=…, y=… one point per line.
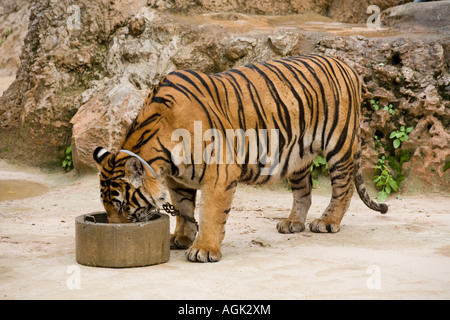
x=198, y=254
x=322, y=225
x=179, y=242
x=290, y=226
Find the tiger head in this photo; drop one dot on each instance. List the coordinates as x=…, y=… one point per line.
x=129, y=190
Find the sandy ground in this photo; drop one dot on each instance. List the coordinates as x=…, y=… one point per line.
x=404, y=254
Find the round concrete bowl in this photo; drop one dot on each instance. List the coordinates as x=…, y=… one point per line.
x=121, y=245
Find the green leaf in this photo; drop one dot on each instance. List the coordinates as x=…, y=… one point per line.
x=64, y=163
x=69, y=150
x=382, y=196
x=408, y=130
x=388, y=189
x=393, y=184
x=396, y=143
x=446, y=166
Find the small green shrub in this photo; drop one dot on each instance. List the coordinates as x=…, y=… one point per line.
x=384, y=180
x=389, y=108
x=400, y=136
x=67, y=163
x=389, y=176
x=376, y=106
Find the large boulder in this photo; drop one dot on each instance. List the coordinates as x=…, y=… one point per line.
x=14, y=16
x=434, y=15
x=152, y=45
x=63, y=52
x=356, y=11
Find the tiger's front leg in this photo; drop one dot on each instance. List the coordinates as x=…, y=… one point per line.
x=214, y=214
x=183, y=199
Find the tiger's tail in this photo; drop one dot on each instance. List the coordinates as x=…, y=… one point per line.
x=361, y=188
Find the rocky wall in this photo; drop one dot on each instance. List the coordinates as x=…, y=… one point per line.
x=82, y=84
x=64, y=51
x=411, y=77
x=14, y=16
x=339, y=10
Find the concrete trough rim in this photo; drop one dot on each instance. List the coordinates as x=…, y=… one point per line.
x=121, y=245
x=82, y=218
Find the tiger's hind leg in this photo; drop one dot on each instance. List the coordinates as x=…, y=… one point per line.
x=183, y=199
x=341, y=175
x=301, y=185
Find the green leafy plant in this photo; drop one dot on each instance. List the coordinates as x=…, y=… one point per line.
x=319, y=166
x=376, y=106
x=391, y=157
x=400, y=136
x=378, y=144
x=67, y=163
x=384, y=180
x=389, y=176
x=396, y=163
x=389, y=108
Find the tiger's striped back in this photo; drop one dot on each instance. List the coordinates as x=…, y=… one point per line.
x=312, y=100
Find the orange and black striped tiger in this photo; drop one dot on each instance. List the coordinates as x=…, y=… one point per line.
x=311, y=101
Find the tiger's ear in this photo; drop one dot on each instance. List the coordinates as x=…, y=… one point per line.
x=134, y=172
x=100, y=154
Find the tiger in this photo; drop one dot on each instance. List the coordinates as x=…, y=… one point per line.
x=312, y=101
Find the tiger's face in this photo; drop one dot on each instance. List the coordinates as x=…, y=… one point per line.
x=128, y=191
